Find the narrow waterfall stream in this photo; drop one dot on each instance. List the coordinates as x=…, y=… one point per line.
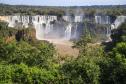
x=68, y=32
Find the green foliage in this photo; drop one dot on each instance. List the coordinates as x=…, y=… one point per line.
x=22, y=74
x=5, y=31
x=92, y=33
x=82, y=71
x=85, y=38
x=110, y=66
x=23, y=48
x=27, y=61
x=59, y=11
x=85, y=69
x=119, y=35
x=120, y=49
x=113, y=70
x=22, y=52
x=5, y=74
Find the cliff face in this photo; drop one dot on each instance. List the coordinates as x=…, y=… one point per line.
x=10, y=34
x=23, y=34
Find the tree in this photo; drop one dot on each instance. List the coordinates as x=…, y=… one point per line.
x=113, y=70
x=22, y=74
x=84, y=69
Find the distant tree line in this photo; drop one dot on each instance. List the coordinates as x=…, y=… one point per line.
x=59, y=11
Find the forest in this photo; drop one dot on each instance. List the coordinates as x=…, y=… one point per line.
x=24, y=60
x=61, y=10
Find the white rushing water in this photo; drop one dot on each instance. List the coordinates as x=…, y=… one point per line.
x=42, y=25
x=102, y=19
x=49, y=27
x=78, y=19
x=13, y=20
x=68, y=32
x=119, y=20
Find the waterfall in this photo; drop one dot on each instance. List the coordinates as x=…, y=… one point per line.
x=108, y=20
x=39, y=31
x=68, y=32
x=102, y=19
x=25, y=21
x=42, y=26
x=13, y=20
x=119, y=20
x=108, y=33
x=112, y=26
x=78, y=19
x=98, y=19
x=66, y=18
x=105, y=20
x=48, y=27
x=75, y=31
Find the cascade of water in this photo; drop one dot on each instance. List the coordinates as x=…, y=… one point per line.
x=112, y=26
x=11, y=21
x=108, y=31
x=67, y=18
x=119, y=20
x=102, y=19
x=75, y=32
x=78, y=18
x=98, y=19
x=39, y=31
x=107, y=20
x=43, y=26
x=68, y=32
x=25, y=21
x=48, y=28
x=38, y=27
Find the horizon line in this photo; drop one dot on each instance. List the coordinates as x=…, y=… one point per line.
x=62, y=5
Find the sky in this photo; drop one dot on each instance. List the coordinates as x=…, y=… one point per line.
x=64, y=2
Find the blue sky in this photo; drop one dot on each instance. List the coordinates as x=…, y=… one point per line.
x=64, y=2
